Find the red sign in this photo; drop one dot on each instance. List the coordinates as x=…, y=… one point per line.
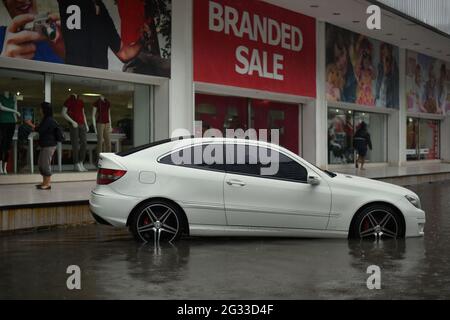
x=255, y=45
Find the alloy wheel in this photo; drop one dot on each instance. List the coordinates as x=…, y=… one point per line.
x=378, y=224
x=157, y=223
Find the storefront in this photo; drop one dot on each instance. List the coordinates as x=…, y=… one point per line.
x=428, y=101
x=196, y=65
x=103, y=91
x=362, y=85
x=254, y=68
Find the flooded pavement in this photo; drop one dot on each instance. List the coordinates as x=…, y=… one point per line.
x=113, y=266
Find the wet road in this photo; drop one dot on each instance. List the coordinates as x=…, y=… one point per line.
x=113, y=266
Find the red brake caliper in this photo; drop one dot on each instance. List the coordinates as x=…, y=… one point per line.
x=366, y=225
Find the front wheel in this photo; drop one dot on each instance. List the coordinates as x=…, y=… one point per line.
x=156, y=221
x=377, y=222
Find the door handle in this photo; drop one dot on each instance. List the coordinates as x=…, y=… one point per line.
x=236, y=183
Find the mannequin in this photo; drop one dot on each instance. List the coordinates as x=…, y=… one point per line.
x=102, y=124
x=73, y=112
x=8, y=120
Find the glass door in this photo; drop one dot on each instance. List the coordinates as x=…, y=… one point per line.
x=284, y=117
x=423, y=139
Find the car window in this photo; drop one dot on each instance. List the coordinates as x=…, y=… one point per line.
x=206, y=156
x=263, y=162
x=148, y=146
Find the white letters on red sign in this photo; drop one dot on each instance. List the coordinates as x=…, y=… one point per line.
x=265, y=64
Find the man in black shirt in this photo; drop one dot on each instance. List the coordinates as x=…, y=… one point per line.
x=89, y=45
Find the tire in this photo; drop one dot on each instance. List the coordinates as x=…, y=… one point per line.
x=156, y=222
x=377, y=222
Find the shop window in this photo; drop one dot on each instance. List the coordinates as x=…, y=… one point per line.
x=23, y=92
x=422, y=139
x=220, y=112
x=109, y=108
x=340, y=136
x=283, y=117
x=342, y=125
x=224, y=112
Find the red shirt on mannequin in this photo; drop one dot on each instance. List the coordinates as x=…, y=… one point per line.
x=103, y=107
x=75, y=107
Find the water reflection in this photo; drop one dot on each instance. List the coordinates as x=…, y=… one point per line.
x=115, y=267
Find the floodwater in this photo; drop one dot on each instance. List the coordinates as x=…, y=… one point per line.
x=113, y=266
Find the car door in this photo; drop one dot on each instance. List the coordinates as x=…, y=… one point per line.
x=195, y=184
x=282, y=199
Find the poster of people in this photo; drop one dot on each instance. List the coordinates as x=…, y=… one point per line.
x=427, y=84
x=361, y=70
x=120, y=35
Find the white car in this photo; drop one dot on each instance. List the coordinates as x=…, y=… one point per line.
x=160, y=192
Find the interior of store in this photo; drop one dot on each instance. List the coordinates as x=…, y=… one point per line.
x=28, y=89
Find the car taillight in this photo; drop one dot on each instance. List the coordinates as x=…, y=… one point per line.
x=107, y=176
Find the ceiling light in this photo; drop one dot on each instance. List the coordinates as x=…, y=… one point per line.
x=91, y=94
x=18, y=93
x=70, y=89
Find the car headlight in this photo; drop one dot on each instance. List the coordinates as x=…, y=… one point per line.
x=414, y=201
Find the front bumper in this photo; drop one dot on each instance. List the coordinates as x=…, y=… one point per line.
x=414, y=219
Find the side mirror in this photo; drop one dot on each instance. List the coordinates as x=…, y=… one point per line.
x=313, y=180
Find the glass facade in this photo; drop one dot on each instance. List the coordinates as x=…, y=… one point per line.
x=226, y=112
x=423, y=139
x=342, y=125
x=27, y=91
x=110, y=108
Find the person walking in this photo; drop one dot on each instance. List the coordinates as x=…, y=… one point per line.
x=362, y=141
x=49, y=133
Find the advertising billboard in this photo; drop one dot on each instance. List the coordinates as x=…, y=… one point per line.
x=120, y=35
x=361, y=70
x=427, y=84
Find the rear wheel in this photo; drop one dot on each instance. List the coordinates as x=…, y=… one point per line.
x=377, y=222
x=156, y=221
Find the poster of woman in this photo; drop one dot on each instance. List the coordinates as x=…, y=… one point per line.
x=119, y=35
x=361, y=70
x=427, y=84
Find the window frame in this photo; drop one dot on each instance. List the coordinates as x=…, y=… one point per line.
x=160, y=158
x=167, y=154
x=269, y=177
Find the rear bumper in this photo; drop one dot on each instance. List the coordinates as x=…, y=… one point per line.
x=110, y=208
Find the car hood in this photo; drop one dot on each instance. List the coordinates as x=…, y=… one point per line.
x=370, y=184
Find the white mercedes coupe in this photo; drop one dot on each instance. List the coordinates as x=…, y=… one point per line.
x=236, y=187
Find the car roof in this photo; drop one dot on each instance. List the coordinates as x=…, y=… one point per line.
x=163, y=146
